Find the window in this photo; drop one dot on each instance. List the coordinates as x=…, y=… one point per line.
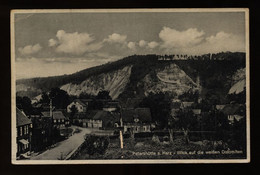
x=59, y=120
x=62, y=120
x=21, y=131
x=25, y=129
x=54, y=121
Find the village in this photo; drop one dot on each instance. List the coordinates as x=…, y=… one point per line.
x=59, y=133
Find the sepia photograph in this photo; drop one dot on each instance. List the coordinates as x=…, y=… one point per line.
x=130, y=86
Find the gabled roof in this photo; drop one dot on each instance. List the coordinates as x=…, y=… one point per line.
x=132, y=102
x=21, y=118
x=143, y=114
x=220, y=107
x=56, y=115
x=111, y=104
x=196, y=111
x=100, y=115
x=186, y=104
x=81, y=102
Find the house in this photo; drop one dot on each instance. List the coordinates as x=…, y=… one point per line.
x=80, y=104
x=138, y=120
x=196, y=112
x=41, y=106
x=85, y=119
x=185, y=104
x=23, y=134
x=219, y=107
x=58, y=118
x=111, y=106
x=98, y=119
x=234, y=112
x=107, y=120
x=132, y=102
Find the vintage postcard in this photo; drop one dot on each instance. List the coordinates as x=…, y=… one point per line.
x=130, y=86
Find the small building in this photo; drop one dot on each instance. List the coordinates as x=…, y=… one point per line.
x=23, y=134
x=111, y=106
x=95, y=121
x=58, y=118
x=185, y=104
x=219, y=107
x=196, y=112
x=234, y=112
x=138, y=119
x=80, y=104
x=98, y=119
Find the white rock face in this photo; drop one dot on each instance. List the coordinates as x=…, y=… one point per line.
x=238, y=87
x=239, y=82
x=171, y=79
x=114, y=82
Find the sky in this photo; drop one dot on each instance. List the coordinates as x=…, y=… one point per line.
x=48, y=44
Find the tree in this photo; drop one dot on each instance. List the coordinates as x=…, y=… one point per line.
x=104, y=95
x=186, y=122
x=160, y=106
x=24, y=103
x=85, y=95
x=238, y=136
x=73, y=110
x=45, y=98
x=171, y=127
x=60, y=98
x=95, y=144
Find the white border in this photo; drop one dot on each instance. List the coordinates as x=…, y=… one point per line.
x=136, y=161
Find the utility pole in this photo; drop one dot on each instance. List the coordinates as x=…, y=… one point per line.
x=51, y=108
x=121, y=128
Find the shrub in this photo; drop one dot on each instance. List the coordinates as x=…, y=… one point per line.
x=143, y=134
x=95, y=144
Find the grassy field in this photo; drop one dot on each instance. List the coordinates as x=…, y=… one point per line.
x=146, y=148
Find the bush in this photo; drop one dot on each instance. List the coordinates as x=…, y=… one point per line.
x=95, y=144
x=126, y=135
x=143, y=134
x=114, y=137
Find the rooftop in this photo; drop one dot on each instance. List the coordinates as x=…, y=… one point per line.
x=143, y=114
x=56, y=115
x=21, y=118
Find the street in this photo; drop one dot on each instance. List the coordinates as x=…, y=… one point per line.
x=65, y=147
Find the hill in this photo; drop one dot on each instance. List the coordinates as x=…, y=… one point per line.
x=138, y=75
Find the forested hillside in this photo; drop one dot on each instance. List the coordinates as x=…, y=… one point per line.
x=215, y=72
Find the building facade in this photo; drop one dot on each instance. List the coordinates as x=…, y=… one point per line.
x=23, y=134
x=136, y=120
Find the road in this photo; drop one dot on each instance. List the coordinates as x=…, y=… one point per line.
x=65, y=147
